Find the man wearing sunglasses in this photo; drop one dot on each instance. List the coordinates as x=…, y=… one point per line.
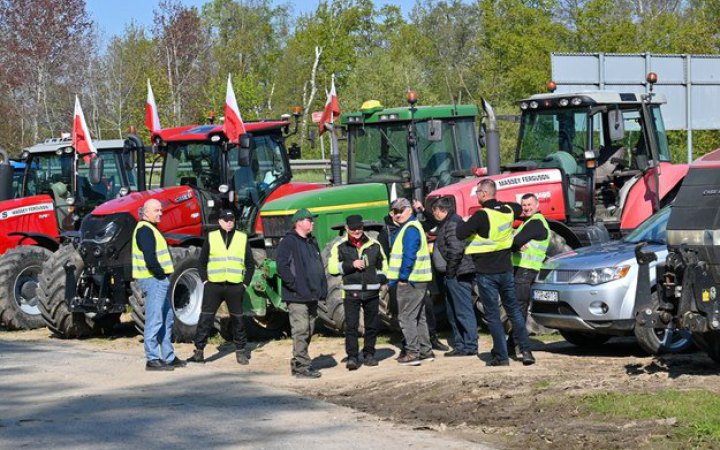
x=360, y=260
x=301, y=270
x=410, y=270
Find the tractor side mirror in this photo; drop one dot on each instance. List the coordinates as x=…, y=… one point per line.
x=312, y=135
x=294, y=151
x=96, y=170
x=481, y=135
x=246, y=143
x=616, y=125
x=434, y=133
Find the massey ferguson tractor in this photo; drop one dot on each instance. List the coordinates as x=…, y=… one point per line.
x=56, y=189
x=200, y=173
x=687, y=294
x=392, y=152
x=598, y=162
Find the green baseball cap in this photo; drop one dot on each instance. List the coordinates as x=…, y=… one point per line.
x=301, y=214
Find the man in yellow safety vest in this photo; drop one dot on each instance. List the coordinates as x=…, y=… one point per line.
x=226, y=268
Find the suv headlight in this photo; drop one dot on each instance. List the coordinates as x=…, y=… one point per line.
x=599, y=276
x=105, y=235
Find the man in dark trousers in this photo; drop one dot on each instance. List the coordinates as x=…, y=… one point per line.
x=301, y=270
x=530, y=245
x=151, y=267
x=226, y=268
x=360, y=260
x=456, y=272
x=490, y=237
x=410, y=270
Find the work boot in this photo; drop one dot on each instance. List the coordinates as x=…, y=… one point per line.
x=157, y=365
x=527, y=358
x=352, y=363
x=306, y=372
x=369, y=360
x=198, y=356
x=437, y=345
x=242, y=358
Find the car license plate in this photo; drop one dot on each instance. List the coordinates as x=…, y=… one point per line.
x=545, y=296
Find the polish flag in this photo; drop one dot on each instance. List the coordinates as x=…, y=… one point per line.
x=152, y=119
x=81, y=140
x=332, y=108
x=233, y=126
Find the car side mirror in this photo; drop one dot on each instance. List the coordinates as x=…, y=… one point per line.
x=616, y=125
x=96, y=170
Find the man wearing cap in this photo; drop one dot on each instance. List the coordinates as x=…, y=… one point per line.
x=410, y=270
x=226, y=268
x=490, y=237
x=152, y=266
x=301, y=270
x=360, y=260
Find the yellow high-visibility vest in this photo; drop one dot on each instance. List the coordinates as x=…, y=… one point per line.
x=422, y=270
x=139, y=268
x=500, y=236
x=226, y=264
x=533, y=257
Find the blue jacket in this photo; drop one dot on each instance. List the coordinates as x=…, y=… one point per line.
x=411, y=245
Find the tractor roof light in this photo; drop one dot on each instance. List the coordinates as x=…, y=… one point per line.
x=551, y=86
x=523, y=106
x=412, y=97
x=652, y=78
x=564, y=102
x=211, y=117
x=577, y=101
x=533, y=104
x=296, y=111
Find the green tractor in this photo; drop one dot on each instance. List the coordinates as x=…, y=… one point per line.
x=392, y=152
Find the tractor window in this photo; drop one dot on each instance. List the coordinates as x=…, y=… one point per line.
x=378, y=153
x=267, y=167
x=662, y=140
x=192, y=164
x=111, y=182
x=554, y=134
x=49, y=173
x=439, y=158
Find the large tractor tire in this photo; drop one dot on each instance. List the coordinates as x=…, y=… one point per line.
x=331, y=311
x=186, y=292
x=53, y=306
x=584, y=339
x=557, y=245
x=710, y=343
x=656, y=341
x=20, y=269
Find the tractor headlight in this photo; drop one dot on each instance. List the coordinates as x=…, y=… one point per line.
x=599, y=276
x=104, y=235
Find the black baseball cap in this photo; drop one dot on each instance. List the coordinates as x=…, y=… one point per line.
x=227, y=215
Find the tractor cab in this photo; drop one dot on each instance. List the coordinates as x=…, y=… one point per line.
x=76, y=183
x=602, y=143
x=240, y=176
x=412, y=150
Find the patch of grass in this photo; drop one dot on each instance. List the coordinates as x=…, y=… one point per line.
x=542, y=384
x=697, y=411
x=216, y=339
x=548, y=338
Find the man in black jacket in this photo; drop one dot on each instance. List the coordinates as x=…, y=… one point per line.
x=457, y=272
x=360, y=260
x=301, y=270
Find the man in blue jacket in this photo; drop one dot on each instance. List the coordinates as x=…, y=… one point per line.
x=301, y=270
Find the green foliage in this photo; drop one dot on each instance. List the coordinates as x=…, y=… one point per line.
x=697, y=412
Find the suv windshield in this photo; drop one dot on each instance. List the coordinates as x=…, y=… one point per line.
x=652, y=230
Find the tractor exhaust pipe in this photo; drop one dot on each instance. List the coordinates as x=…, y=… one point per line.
x=492, y=140
x=6, y=177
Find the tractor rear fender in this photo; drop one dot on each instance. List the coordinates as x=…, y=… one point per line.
x=564, y=232
x=638, y=204
x=42, y=240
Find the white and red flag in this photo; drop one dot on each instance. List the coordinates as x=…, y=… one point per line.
x=81, y=140
x=152, y=119
x=332, y=108
x=233, y=125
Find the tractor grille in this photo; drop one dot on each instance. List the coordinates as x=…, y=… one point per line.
x=276, y=226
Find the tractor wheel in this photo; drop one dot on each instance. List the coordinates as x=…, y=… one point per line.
x=186, y=292
x=53, y=306
x=20, y=269
x=558, y=245
x=584, y=339
x=274, y=325
x=656, y=341
x=710, y=343
x=331, y=311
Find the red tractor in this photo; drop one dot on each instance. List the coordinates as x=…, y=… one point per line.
x=90, y=280
x=598, y=162
x=57, y=188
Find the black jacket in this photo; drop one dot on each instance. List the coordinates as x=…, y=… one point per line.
x=492, y=262
x=385, y=235
x=360, y=284
x=452, y=249
x=301, y=269
x=227, y=237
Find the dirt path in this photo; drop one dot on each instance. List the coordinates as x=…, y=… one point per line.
x=511, y=407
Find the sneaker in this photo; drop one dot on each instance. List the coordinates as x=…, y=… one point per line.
x=409, y=360
x=198, y=356
x=437, y=345
x=402, y=354
x=158, y=365
x=241, y=358
x=428, y=357
x=306, y=373
x=497, y=362
x=455, y=352
x=177, y=362
x=352, y=363
x=369, y=360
